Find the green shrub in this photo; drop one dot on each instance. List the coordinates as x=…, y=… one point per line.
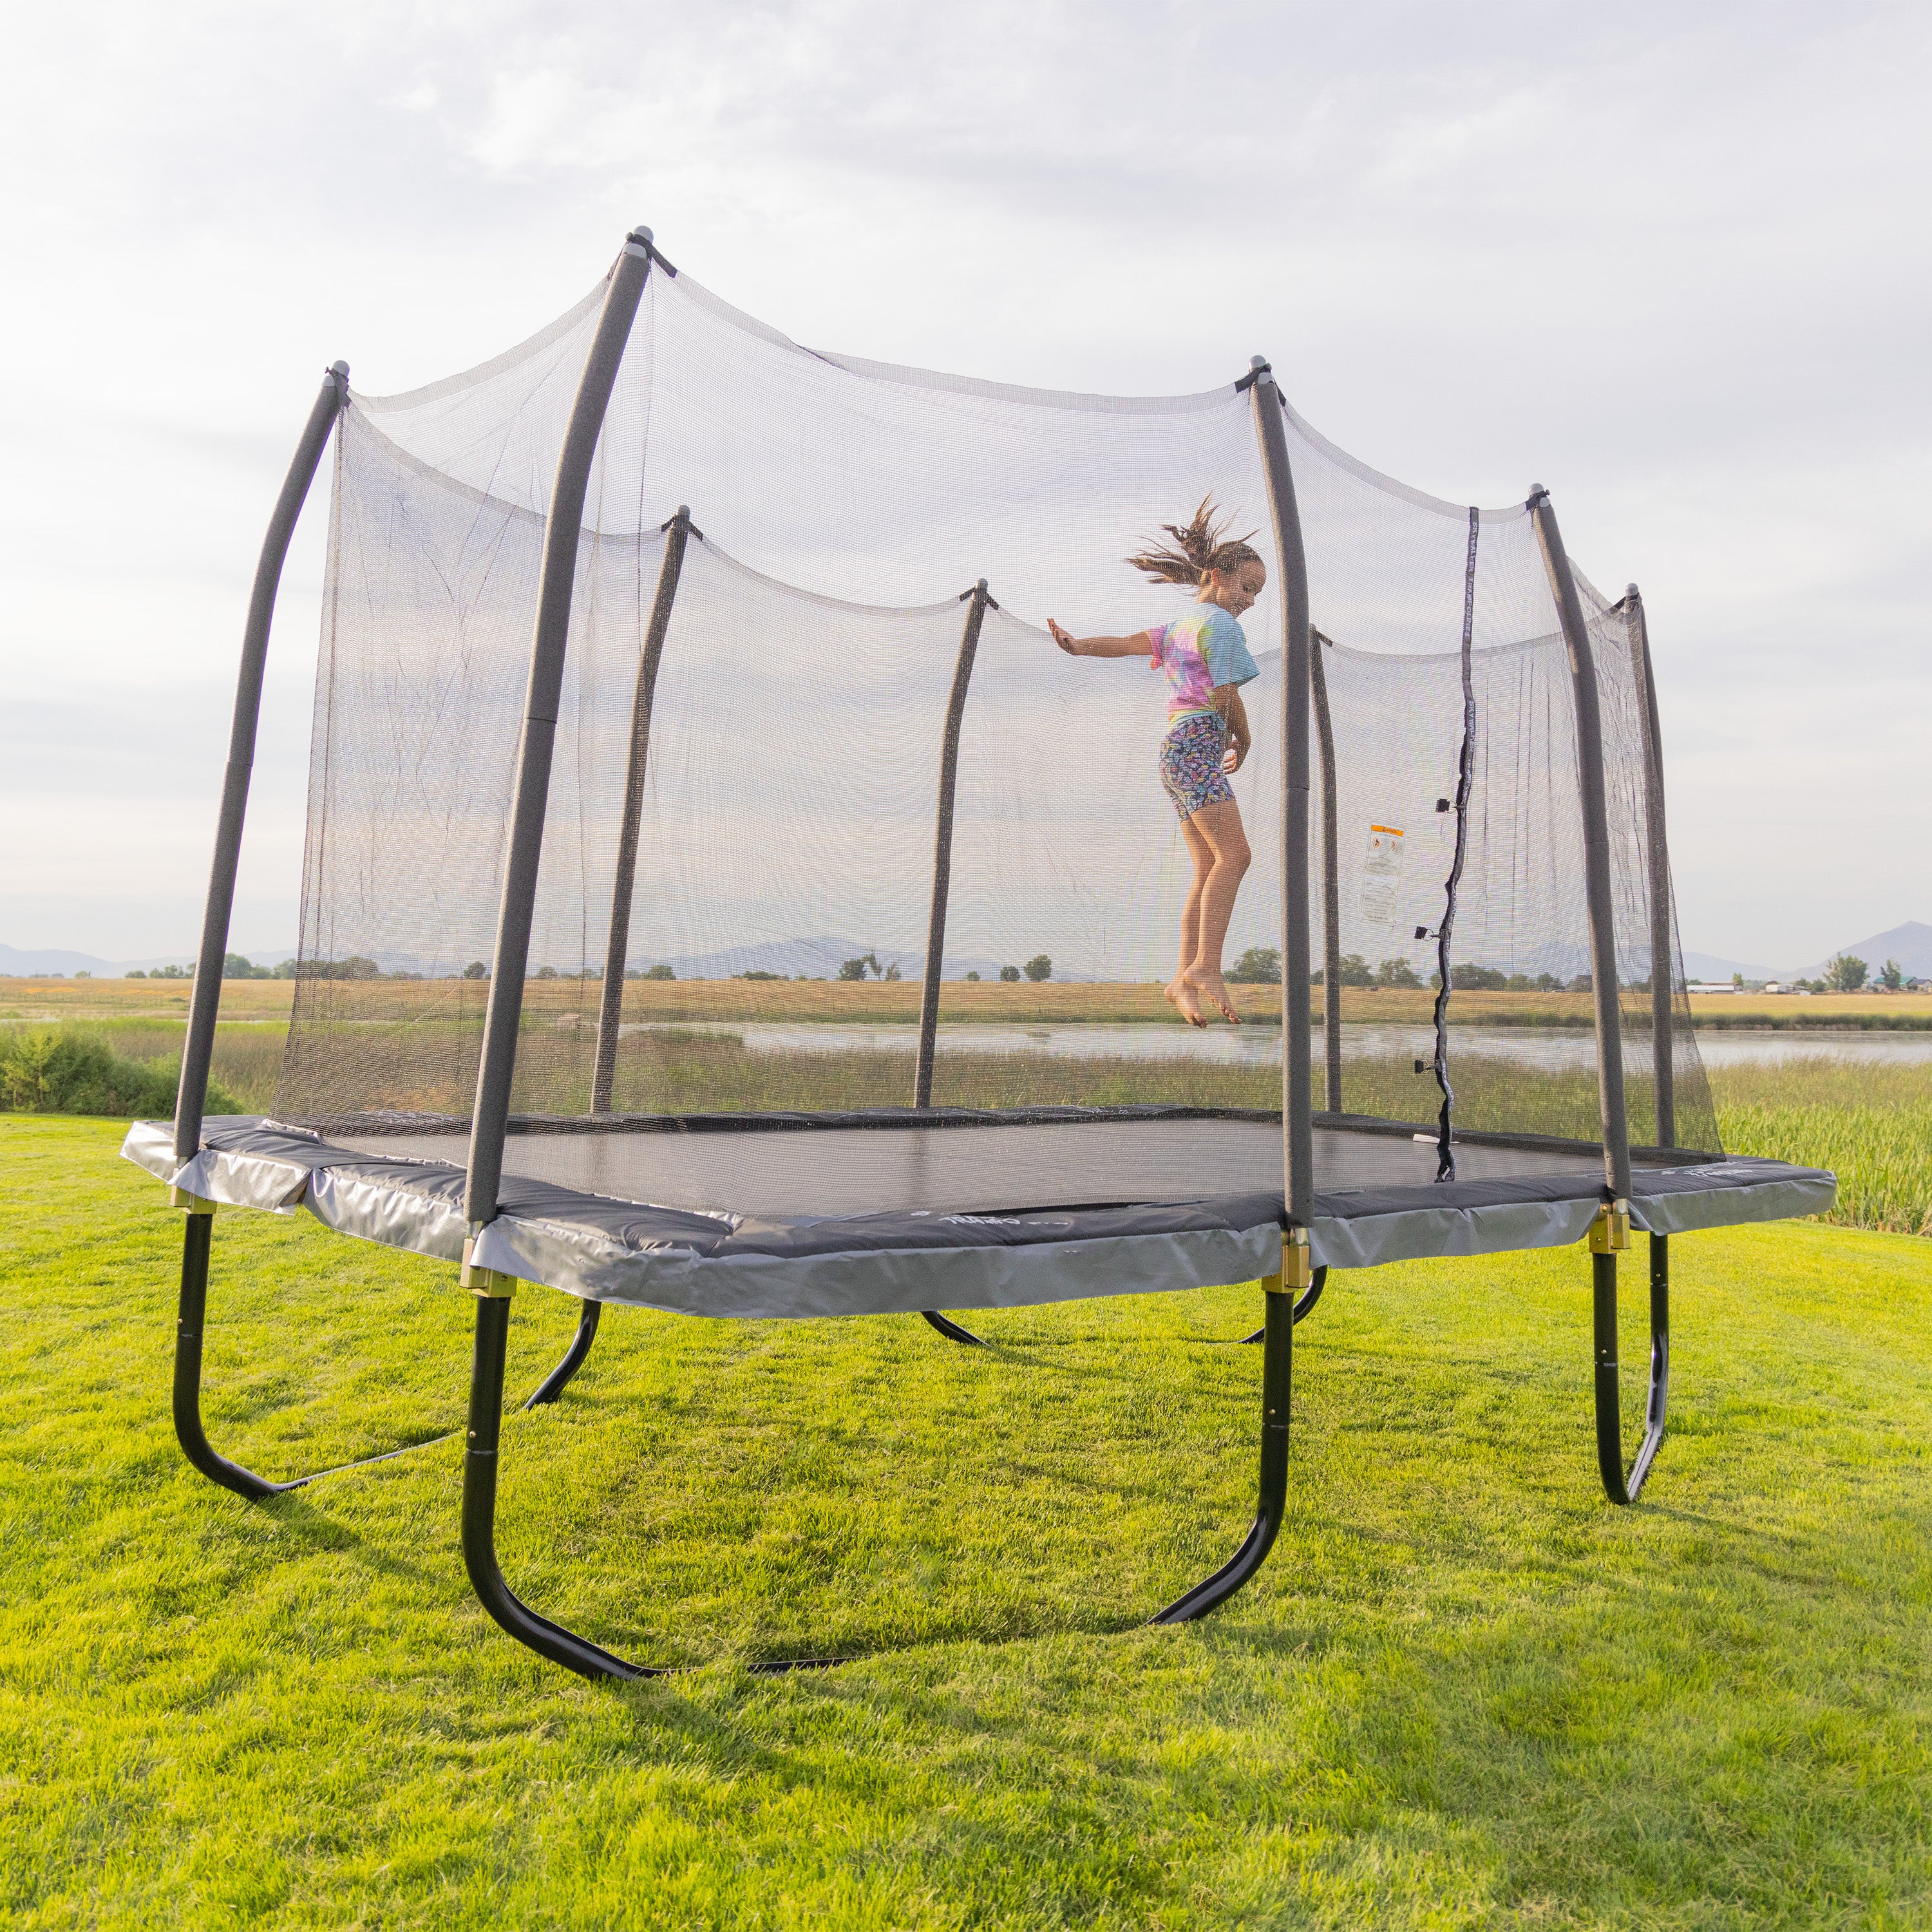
x=63, y=1071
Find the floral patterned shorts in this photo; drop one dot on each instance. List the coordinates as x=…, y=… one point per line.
x=1190, y=764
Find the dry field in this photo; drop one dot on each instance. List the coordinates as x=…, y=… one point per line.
x=989, y=1003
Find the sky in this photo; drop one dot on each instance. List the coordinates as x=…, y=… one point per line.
x=1669, y=260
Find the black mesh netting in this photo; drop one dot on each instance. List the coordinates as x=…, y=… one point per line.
x=785, y=852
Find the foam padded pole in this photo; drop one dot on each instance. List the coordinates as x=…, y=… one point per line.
x=504, y=1014
x=1596, y=847
x=1662, y=961
x=198, y=1050
x=1331, y=885
x=976, y=600
x=611, y=1006
x=1296, y=1101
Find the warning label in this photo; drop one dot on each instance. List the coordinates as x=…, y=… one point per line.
x=1381, y=874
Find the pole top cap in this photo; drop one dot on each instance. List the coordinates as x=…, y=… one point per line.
x=339, y=369
x=641, y=233
x=1630, y=590
x=1257, y=362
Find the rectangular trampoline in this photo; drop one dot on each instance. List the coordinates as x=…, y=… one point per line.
x=645, y=662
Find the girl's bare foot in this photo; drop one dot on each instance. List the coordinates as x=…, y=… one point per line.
x=1214, y=989
x=1182, y=993
x=1171, y=992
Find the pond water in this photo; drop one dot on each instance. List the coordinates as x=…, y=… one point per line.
x=1549, y=1048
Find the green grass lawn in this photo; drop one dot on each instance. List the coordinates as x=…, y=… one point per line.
x=1464, y=1691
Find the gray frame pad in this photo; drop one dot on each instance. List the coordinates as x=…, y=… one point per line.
x=723, y=1264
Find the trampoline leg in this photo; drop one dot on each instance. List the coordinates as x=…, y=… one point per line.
x=1619, y=1488
x=197, y=1241
x=480, y=1459
x=1277, y=1377
x=192, y=1312
x=554, y=1384
x=1303, y=1308
x=479, y=1511
x=951, y=1331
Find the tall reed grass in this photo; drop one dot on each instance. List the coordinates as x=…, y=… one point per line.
x=1871, y=1125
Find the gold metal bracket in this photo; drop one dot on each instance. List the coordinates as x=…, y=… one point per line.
x=486, y=1284
x=193, y=1204
x=1297, y=1265
x=1610, y=1231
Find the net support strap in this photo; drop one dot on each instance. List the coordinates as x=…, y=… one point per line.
x=611, y=1006
x=1596, y=848
x=1296, y=1107
x=504, y=1014
x=1465, y=766
x=198, y=1050
x=1662, y=1040
x=976, y=601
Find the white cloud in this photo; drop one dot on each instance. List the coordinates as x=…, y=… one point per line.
x=1665, y=259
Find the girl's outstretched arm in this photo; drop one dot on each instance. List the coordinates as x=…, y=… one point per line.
x=1140, y=645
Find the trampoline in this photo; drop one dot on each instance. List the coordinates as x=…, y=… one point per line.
x=611, y=675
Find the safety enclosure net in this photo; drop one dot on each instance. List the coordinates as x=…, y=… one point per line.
x=754, y=787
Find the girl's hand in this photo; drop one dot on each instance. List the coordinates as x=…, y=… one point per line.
x=1063, y=638
x=1233, y=758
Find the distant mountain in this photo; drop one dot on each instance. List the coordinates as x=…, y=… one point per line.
x=28, y=962
x=1707, y=966
x=1910, y=944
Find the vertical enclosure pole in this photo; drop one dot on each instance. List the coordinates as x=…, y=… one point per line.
x=977, y=603
x=1596, y=847
x=1662, y=953
x=1331, y=882
x=1297, y=1103
x=610, y=1007
x=505, y=1011
x=199, y=1049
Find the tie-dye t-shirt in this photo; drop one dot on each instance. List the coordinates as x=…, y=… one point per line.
x=1198, y=652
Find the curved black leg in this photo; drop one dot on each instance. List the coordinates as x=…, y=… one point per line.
x=1619, y=1487
x=479, y=1513
x=951, y=1331
x=1303, y=1308
x=554, y=1384
x=479, y=1525
x=1277, y=1379
x=192, y=1313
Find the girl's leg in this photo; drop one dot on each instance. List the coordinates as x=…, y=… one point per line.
x=1178, y=992
x=1220, y=826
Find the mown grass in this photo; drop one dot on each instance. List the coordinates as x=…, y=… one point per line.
x=1463, y=1692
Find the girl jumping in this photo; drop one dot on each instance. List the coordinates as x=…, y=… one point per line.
x=1205, y=656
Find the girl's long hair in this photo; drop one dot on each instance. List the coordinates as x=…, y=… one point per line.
x=1200, y=545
